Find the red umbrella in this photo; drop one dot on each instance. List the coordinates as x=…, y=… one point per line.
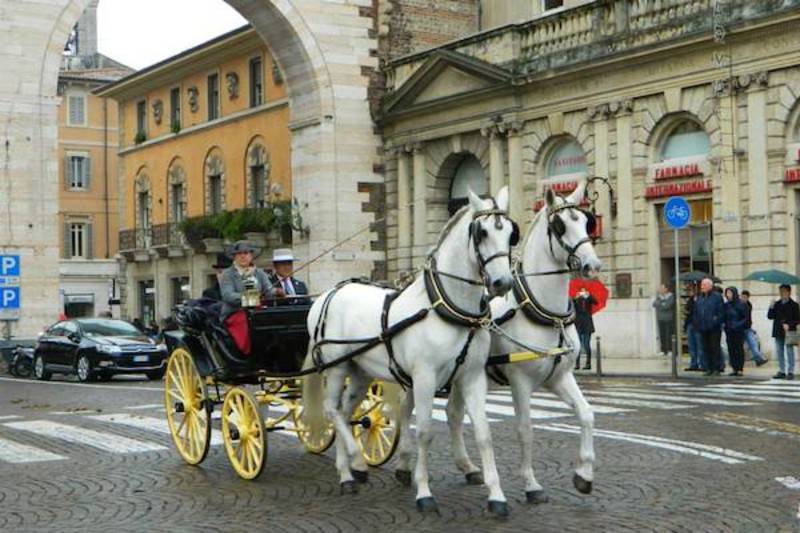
x=595, y=288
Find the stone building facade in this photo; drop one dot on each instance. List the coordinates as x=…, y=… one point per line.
x=691, y=97
x=335, y=157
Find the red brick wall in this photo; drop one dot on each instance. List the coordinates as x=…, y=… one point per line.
x=420, y=24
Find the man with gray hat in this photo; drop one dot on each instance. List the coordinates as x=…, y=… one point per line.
x=285, y=285
x=242, y=275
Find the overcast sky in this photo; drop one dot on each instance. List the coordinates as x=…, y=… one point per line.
x=139, y=33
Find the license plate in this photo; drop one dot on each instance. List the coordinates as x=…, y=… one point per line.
x=141, y=358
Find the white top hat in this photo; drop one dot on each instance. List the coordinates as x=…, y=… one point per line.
x=282, y=254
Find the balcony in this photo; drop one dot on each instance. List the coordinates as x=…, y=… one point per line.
x=168, y=241
x=134, y=244
x=597, y=30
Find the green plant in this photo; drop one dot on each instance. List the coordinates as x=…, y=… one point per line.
x=175, y=127
x=288, y=216
x=140, y=137
x=248, y=221
x=196, y=229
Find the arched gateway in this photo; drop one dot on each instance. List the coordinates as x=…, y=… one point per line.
x=327, y=96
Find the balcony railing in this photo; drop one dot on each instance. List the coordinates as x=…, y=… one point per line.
x=135, y=239
x=597, y=29
x=167, y=235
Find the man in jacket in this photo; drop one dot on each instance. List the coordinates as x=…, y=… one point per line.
x=750, y=334
x=785, y=315
x=735, y=325
x=584, y=324
x=693, y=337
x=282, y=280
x=707, y=319
x=664, y=304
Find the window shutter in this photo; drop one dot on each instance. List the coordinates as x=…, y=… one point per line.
x=88, y=241
x=87, y=172
x=67, y=172
x=66, y=251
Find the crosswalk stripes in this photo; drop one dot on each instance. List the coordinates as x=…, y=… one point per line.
x=107, y=442
x=14, y=452
x=148, y=423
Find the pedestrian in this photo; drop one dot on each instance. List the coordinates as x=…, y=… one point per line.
x=707, y=319
x=692, y=337
x=664, y=304
x=735, y=325
x=785, y=315
x=584, y=324
x=723, y=347
x=750, y=337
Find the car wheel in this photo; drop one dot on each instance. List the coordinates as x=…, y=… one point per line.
x=83, y=369
x=39, y=369
x=155, y=375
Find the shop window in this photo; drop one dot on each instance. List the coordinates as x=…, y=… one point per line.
x=686, y=140
x=256, y=82
x=213, y=97
x=469, y=175
x=695, y=244
x=567, y=158
x=147, y=301
x=181, y=290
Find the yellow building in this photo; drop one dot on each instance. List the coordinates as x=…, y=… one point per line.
x=88, y=200
x=201, y=133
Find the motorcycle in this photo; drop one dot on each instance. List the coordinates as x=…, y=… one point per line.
x=21, y=362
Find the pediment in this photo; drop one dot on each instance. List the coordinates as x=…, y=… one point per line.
x=446, y=75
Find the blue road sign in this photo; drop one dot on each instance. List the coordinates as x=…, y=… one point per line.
x=677, y=212
x=9, y=298
x=9, y=265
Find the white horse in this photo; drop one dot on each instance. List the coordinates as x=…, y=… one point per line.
x=447, y=344
x=556, y=246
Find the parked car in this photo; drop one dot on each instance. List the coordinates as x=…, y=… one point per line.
x=97, y=348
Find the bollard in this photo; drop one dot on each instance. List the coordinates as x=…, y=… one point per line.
x=598, y=357
x=674, y=358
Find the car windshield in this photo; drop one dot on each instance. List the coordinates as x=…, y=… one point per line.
x=111, y=328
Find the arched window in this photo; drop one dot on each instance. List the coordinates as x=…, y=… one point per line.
x=258, y=167
x=215, y=183
x=566, y=158
x=687, y=139
x=468, y=175
x=142, y=198
x=177, y=193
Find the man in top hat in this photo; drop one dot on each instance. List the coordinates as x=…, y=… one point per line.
x=214, y=292
x=233, y=282
x=285, y=285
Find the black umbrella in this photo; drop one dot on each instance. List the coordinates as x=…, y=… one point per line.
x=696, y=276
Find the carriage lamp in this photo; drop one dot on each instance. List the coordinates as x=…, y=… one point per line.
x=251, y=296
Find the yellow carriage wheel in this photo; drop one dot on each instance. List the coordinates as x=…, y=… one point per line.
x=185, y=396
x=243, y=433
x=314, y=442
x=378, y=441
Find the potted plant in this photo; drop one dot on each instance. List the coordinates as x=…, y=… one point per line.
x=202, y=233
x=175, y=127
x=140, y=137
x=256, y=223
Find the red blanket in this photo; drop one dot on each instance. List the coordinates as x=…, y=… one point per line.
x=240, y=330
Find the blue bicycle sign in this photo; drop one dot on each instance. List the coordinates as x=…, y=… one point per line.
x=677, y=212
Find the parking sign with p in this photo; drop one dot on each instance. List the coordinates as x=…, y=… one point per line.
x=9, y=282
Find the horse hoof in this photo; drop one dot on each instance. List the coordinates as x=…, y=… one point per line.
x=427, y=505
x=361, y=476
x=537, y=496
x=348, y=487
x=403, y=476
x=498, y=509
x=583, y=486
x=474, y=478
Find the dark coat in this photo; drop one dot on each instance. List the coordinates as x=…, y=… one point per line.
x=749, y=323
x=300, y=289
x=665, y=308
x=687, y=316
x=708, y=313
x=735, y=314
x=213, y=293
x=783, y=313
x=583, y=314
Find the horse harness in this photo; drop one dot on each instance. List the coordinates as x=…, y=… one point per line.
x=440, y=302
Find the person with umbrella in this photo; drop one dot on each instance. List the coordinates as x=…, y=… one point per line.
x=785, y=315
x=584, y=324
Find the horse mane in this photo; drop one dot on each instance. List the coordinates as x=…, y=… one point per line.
x=448, y=227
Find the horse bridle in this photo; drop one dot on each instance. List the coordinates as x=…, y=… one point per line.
x=556, y=231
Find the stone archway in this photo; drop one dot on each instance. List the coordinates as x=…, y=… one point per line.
x=327, y=95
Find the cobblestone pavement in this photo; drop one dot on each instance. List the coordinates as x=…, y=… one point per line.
x=671, y=456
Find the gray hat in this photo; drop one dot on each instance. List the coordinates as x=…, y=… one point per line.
x=241, y=247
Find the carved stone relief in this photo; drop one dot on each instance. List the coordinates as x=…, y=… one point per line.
x=158, y=111
x=193, y=104
x=232, y=80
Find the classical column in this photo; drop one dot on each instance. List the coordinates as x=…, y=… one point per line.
x=757, y=173
x=515, y=179
x=420, y=203
x=496, y=161
x=624, y=162
x=403, y=210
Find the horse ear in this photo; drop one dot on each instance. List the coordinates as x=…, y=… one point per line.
x=578, y=194
x=550, y=198
x=502, y=199
x=474, y=200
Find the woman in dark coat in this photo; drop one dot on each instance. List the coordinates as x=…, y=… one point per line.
x=735, y=326
x=584, y=324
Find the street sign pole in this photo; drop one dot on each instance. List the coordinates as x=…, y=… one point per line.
x=677, y=214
